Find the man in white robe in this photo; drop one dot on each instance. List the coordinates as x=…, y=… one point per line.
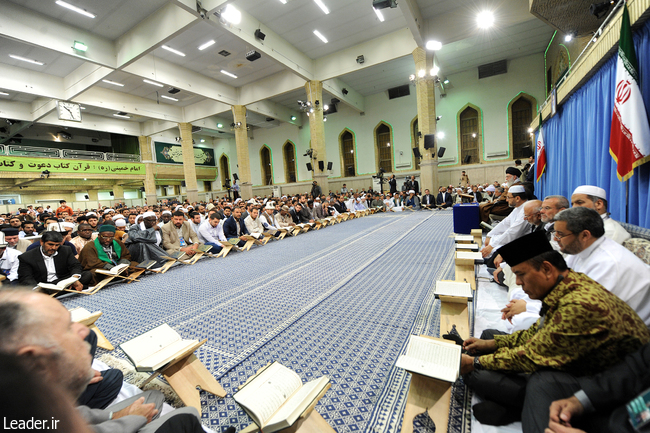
x=595, y=198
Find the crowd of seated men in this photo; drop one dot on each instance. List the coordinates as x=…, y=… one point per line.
x=572, y=348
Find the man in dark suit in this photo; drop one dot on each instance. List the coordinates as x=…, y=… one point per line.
x=477, y=195
x=594, y=403
x=415, y=186
x=444, y=198
x=234, y=227
x=428, y=200
x=392, y=183
x=51, y=263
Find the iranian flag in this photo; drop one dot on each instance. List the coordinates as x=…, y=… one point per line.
x=629, y=142
x=540, y=158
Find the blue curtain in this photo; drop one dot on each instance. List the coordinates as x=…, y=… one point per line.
x=577, y=142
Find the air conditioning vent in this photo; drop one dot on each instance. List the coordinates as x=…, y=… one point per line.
x=224, y=53
x=196, y=129
x=398, y=92
x=492, y=69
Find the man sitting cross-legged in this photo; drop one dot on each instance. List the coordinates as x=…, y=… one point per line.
x=104, y=253
x=256, y=227
x=234, y=228
x=211, y=233
x=85, y=236
x=178, y=235
x=37, y=329
x=145, y=241
x=51, y=262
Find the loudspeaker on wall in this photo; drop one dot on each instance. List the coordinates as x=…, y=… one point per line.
x=467, y=159
x=416, y=152
x=321, y=165
x=234, y=176
x=429, y=141
x=441, y=152
x=309, y=167
x=329, y=165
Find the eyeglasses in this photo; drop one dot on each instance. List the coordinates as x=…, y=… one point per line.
x=558, y=235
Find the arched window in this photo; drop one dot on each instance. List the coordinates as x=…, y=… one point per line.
x=225, y=169
x=384, y=148
x=469, y=136
x=521, y=115
x=267, y=168
x=348, y=168
x=289, y=162
x=415, y=141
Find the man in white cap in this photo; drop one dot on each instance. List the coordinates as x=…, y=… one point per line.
x=268, y=216
x=512, y=227
x=8, y=261
x=579, y=232
x=595, y=198
x=145, y=240
x=413, y=200
x=165, y=217
x=490, y=190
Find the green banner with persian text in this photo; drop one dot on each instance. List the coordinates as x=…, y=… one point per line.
x=173, y=154
x=21, y=164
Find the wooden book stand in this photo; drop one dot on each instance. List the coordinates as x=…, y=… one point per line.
x=466, y=271
x=427, y=394
x=283, y=233
x=310, y=421
x=453, y=311
x=102, y=341
x=478, y=237
x=250, y=241
x=185, y=373
x=225, y=249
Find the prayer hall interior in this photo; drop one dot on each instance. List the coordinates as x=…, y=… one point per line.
x=148, y=105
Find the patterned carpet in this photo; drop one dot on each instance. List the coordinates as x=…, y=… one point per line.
x=340, y=301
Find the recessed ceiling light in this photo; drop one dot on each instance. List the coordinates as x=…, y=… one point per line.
x=231, y=14
x=152, y=82
x=284, y=2
x=4, y=94
x=435, y=71
x=169, y=97
x=219, y=125
x=171, y=50
x=485, y=19
x=379, y=15
x=320, y=36
x=568, y=37
x=206, y=45
x=434, y=45
x=322, y=6
x=228, y=73
x=83, y=108
x=123, y=116
x=115, y=83
x=75, y=8
x=293, y=117
x=203, y=140
x=24, y=59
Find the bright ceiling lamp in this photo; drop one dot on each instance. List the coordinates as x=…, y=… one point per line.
x=228, y=73
x=320, y=36
x=322, y=6
x=485, y=19
x=434, y=45
x=231, y=14
x=434, y=71
x=75, y=8
x=206, y=45
x=25, y=59
x=171, y=50
x=379, y=15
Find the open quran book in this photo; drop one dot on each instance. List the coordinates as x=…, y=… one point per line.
x=175, y=256
x=115, y=270
x=276, y=397
x=433, y=358
x=81, y=315
x=156, y=348
x=61, y=285
x=464, y=238
x=453, y=288
x=147, y=264
x=476, y=256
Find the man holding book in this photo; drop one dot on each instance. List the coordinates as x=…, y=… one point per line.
x=49, y=263
x=39, y=332
x=179, y=236
x=105, y=252
x=583, y=330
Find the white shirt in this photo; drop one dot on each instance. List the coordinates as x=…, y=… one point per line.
x=512, y=227
x=614, y=231
x=9, y=263
x=618, y=270
x=210, y=234
x=254, y=225
x=49, y=265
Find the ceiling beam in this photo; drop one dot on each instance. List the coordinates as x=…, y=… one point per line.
x=270, y=87
x=203, y=109
x=274, y=46
x=31, y=82
x=26, y=25
x=276, y=111
x=96, y=123
x=414, y=21
x=353, y=99
x=158, y=28
x=83, y=78
x=375, y=51
x=156, y=126
x=15, y=110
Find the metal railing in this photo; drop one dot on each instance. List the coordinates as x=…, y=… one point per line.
x=51, y=152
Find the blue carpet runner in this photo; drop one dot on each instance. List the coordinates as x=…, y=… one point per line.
x=340, y=302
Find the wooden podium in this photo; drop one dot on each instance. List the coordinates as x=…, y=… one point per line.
x=186, y=374
x=430, y=395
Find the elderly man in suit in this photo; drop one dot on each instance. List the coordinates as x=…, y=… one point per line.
x=51, y=263
x=177, y=235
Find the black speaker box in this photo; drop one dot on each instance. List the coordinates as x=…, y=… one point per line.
x=112, y=194
x=467, y=159
x=86, y=197
x=309, y=167
x=329, y=165
x=321, y=165
x=416, y=152
x=234, y=176
x=429, y=141
x=183, y=183
x=441, y=152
